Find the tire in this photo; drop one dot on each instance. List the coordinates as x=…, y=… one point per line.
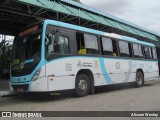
x=139, y=79
x=82, y=85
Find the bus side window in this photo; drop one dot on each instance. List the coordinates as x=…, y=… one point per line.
x=109, y=47
x=137, y=49
x=124, y=49
x=154, y=53
x=87, y=44
x=62, y=45
x=59, y=45
x=147, y=52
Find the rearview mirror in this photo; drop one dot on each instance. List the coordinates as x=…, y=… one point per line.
x=48, y=39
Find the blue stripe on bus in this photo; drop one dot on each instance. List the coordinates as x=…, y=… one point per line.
x=104, y=71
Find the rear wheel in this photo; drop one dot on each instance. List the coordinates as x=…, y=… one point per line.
x=82, y=85
x=139, y=79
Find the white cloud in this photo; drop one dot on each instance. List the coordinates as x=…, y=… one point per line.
x=144, y=13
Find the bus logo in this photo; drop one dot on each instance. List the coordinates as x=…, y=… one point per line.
x=118, y=65
x=79, y=64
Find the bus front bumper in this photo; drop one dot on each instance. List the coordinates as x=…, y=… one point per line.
x=39, y=85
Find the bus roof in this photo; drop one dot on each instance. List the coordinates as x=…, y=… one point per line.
x=84, y=29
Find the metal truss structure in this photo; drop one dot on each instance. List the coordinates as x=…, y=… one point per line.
x=17, y=14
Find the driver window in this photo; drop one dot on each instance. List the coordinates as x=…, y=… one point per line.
x=62, y=45
x=58, y=44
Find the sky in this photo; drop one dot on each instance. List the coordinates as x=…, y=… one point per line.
x=145, y=13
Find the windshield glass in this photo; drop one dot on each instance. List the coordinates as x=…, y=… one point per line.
x=26, y=51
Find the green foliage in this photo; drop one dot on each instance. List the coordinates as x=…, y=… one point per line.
x=5, y=55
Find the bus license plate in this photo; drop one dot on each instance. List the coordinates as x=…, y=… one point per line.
x=19, y=90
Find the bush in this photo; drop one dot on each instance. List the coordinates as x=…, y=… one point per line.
x=5, y=56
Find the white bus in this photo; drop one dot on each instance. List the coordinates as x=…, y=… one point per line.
x=55, y=56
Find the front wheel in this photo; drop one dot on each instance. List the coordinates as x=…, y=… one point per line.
x=82, y=85
x=139, y=79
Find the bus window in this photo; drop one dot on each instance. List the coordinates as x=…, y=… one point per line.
x=154, y=53
x=147, y=52
x=137, y=49
x=109, y=47
x=60, y=45
x=124, y=49
x=87, y=44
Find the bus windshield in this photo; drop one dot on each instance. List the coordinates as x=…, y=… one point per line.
x=26, y=51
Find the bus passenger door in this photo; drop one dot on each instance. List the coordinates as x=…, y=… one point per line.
x=60, y=63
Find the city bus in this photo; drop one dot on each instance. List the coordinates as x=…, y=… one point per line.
x=55, y=56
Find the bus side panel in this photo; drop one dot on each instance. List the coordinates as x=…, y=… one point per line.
x=152, y=70
x=94, y=65
x=112, y=65
x=60, y=74
x=61, y=83
x=127, y=73
x=138, y=64
x=41, y=83
x=149, y=70
x=155, y=69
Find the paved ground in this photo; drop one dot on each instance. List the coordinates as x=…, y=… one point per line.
x=4, y=85
x=111, y=98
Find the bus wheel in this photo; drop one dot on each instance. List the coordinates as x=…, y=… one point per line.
x=139, y=79
x=82, y=85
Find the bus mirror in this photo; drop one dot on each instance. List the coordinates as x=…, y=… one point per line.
x=48, y=39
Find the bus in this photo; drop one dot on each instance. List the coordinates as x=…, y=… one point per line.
x=54, y=56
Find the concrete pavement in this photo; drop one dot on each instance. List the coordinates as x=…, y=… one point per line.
x=4, y=84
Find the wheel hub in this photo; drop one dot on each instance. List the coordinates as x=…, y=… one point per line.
x=82, y=85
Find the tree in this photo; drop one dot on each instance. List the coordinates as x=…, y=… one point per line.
x=5, y=52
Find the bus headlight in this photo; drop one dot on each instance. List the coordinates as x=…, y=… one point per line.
x=36, y=75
